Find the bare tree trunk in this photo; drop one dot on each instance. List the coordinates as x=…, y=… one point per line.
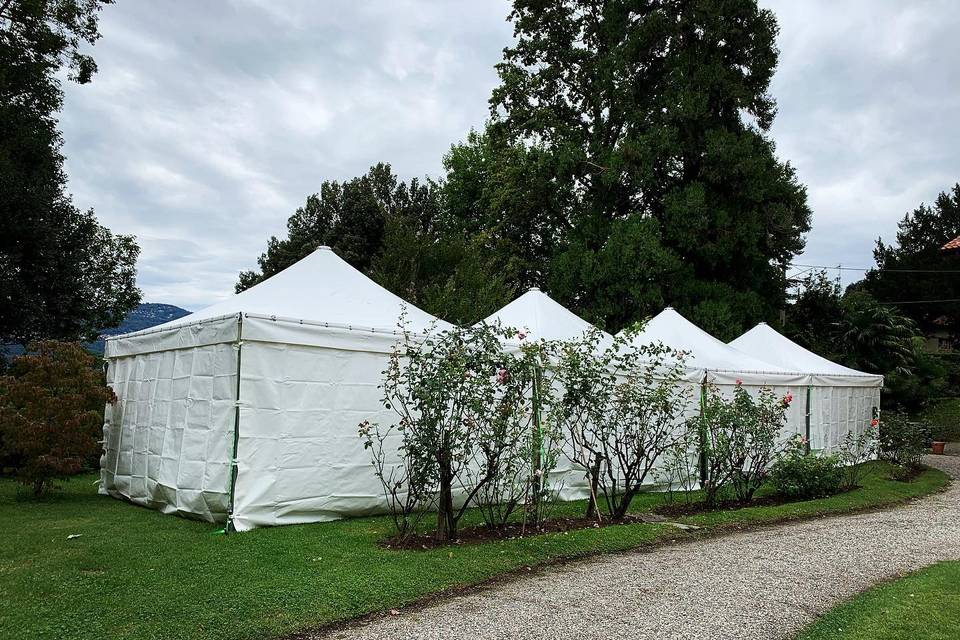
x=446, y=523
x=594, y=487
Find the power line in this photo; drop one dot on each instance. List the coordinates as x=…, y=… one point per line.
x=923, y=301
x=839, y=268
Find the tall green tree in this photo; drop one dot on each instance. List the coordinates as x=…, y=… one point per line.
x=815, y=315
x=504, y=195
x=348, y=216
x=912, y=268
x=62, y=274
x=860, y=332
x=401, y=235
x=654, y=116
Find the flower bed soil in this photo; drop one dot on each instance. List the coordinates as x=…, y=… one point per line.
x=661, y=513
x=511, y=531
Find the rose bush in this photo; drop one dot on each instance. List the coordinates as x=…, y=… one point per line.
x=739, y=440
x=468, y=431
x=621, y=408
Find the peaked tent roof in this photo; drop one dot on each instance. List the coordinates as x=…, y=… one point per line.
x=321, y=287
x=782, y=351
x=704, y=351
x=543, y=317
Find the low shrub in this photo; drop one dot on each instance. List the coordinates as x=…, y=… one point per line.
x=51, y=412
x=943, y=416
x=854, y=451
x=799, y=475
x=902, y=441
x=739, y=440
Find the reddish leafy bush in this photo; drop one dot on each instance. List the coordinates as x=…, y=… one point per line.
x=51, y=412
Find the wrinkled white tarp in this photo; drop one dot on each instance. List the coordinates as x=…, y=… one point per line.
x=842, y=399
x=308, y=347
x=722, y=366
x=708, y=354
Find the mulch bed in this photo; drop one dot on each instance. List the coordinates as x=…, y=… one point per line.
x=677, y=509
x=511, y=531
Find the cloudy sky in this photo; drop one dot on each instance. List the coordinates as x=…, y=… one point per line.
x=209, y=123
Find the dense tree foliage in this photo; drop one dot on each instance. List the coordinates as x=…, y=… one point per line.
x=626, y=166
x=860, y=332
x=399, y=233
x=816, y=313
x=654, y=117
x=62, y=274
x=505, y=195
x=51, y=412
x=913, y=267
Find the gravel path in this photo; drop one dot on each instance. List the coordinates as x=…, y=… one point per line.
x=767, y=583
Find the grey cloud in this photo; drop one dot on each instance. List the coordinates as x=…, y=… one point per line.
x=208, y=123
x=868, y=96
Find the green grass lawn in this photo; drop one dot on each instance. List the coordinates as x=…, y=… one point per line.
x=134, y=573
x=921, y=606
x=943, y=414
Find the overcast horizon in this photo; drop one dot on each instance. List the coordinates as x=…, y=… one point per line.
x=207, y=125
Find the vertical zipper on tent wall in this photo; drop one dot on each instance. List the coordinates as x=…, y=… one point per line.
x=236, y=430
x=807, y=418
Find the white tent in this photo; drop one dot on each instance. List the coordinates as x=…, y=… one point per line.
x=543, y=317
x=706, y=355
x=247, y=411
x=546, y=319
x=840, y=399
x=711, y=361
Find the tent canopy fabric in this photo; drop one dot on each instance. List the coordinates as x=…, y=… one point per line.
x=543, y=317
x=247, y=411
x=763, y=340
x=703, y=350
x=321, y=287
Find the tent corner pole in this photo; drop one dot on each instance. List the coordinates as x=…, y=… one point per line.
x=238, y=345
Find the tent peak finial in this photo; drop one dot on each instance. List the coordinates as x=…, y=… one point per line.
x=324, y=247
x=534, y=289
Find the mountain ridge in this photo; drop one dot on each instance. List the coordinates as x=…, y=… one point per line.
x=146, y=315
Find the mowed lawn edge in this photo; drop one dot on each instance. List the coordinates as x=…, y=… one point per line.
x=135, y=573
x=923, y=604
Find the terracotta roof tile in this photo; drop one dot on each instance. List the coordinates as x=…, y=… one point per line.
x=953, y=245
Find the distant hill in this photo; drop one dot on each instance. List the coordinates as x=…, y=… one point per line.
x=146, y=315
